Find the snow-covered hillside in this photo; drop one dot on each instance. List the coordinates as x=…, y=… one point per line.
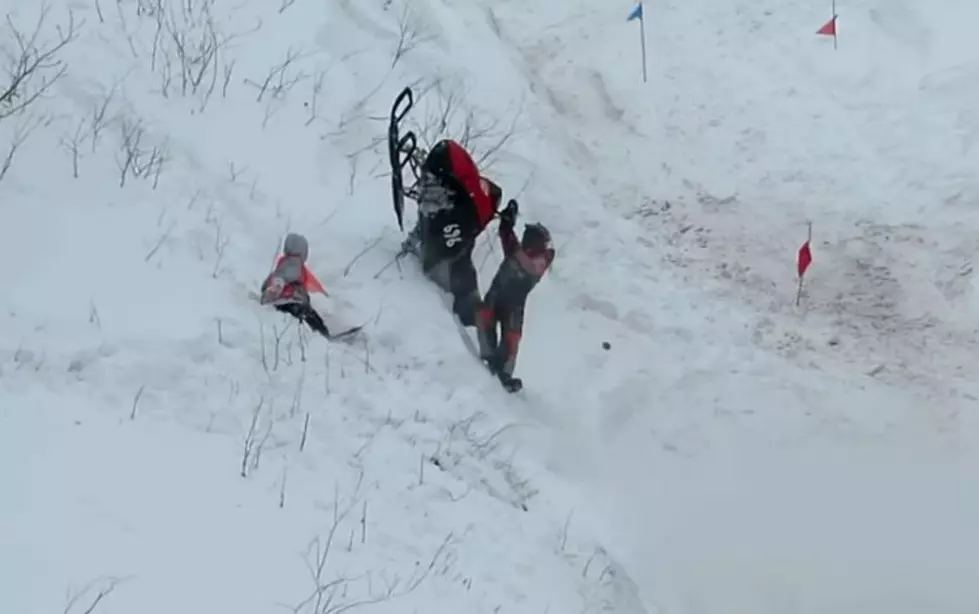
x=168, y=445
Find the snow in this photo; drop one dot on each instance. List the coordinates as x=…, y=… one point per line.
x=164, y=437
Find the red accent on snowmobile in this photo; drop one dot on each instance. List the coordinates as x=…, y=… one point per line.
x=464, y=168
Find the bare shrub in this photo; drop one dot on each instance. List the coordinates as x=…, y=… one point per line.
x=135, y=157
x=188, y=46
x=334, y=594
x=256, y=438
x=277, y=83
x=449, y=115
x=31, y=63
x=412, y=32
x=31, y=66
x=89, y=597
x=20, y=136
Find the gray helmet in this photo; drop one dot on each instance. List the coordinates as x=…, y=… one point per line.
x=296, y=245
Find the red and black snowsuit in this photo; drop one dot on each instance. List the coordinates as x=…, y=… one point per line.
x=523, y=266
x=455, y=203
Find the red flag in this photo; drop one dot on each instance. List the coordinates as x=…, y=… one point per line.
x=829, y=28
x=805, y=259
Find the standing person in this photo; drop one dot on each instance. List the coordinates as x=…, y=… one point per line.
x=502, y=313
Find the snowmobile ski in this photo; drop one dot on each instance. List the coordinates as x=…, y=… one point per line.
x=401, y=151
x=345, y=335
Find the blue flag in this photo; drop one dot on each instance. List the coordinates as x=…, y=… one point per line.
x=636, y=13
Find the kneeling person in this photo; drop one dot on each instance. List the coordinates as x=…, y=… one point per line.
x=288, y=286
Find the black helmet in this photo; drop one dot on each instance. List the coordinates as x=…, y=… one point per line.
x=536, y=237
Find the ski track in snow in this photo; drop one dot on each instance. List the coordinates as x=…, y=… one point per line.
x=164, y=437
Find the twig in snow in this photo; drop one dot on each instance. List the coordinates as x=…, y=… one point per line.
x=282, y=489
x=361, y=253
x=93, y=315
x=159, y=243
x=564, y=532
x=98, y=120
x=134, y=159
x=139, y=393
x=20, y=136
x=253, y=445
x=220, y=244
x=279, y=81
x=297, y=397
x=228, y=71
x=312, y=105
x=72, y=144
x=302, y=440
x=108, y=586
x=363, y=524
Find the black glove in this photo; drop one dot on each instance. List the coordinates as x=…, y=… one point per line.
x=509, y=214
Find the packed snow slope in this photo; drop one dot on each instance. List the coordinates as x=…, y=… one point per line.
x=169, y=445
x=774, y=458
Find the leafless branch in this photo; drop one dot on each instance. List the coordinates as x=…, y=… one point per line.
x=195, y=44
x=344, y=593
x=312, y=106
x=356, y=110
x=31, y=64
x=189, y=44
x=132, y=134
x=302, y=440
x=360, y=254
x=136, y=160
x=98, y=120
x=220, y=244
x=279, y=79
x=412, y=32
x=125, y=29
x=160, y=17
x=159, y=243
x=282, y=487
x=104, y=586
x=139, y=394
x=254, y=441
x=297, y=396
x=229, y=69
x=318, y=555
x=21, y=133
x=481, y=133
x=72, y=145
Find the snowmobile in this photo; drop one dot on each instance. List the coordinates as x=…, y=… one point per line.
x=455, y=204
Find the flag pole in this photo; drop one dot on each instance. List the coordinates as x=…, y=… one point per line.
x=835, y=46
x=798, y=293
x=642, y=37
